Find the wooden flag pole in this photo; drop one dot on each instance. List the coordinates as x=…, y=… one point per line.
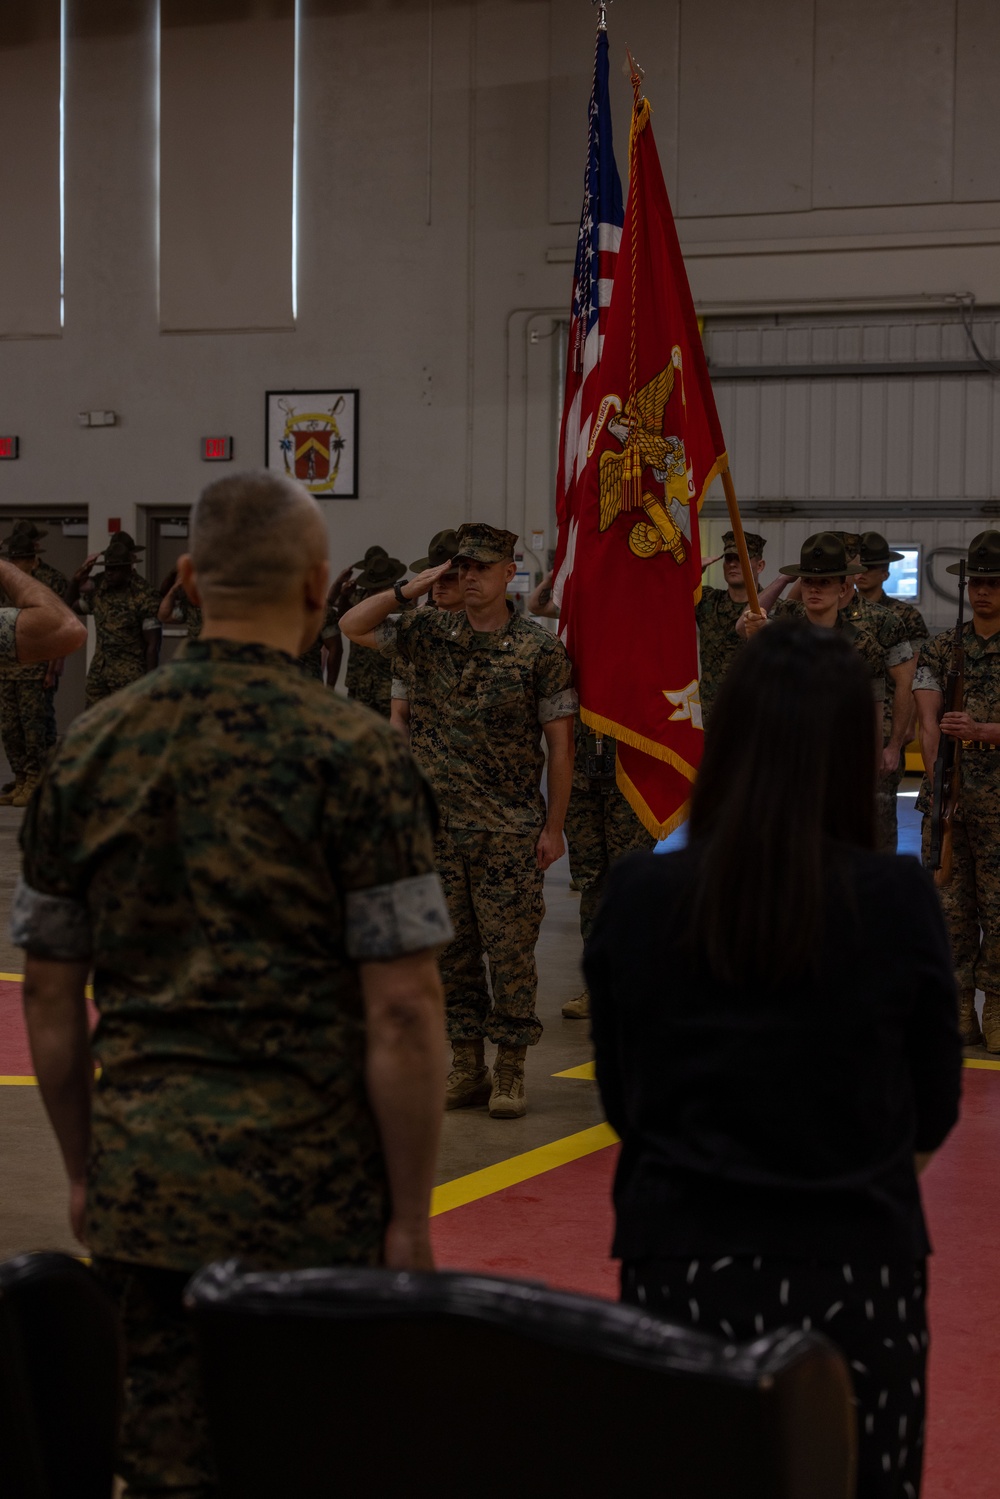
x=735, y=521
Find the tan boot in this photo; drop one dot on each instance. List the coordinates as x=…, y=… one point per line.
x=9, y=792
x=578, y=1008
x=991, y=1021
x=22, y=794
x=968, y=1021
x=507, y=1101
x=469, y=1078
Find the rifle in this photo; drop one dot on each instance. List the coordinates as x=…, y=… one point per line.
x=948, y=765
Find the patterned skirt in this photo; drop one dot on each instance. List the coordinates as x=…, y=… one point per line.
x=875, y=1313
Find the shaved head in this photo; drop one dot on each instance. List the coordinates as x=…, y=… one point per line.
x=253, y=538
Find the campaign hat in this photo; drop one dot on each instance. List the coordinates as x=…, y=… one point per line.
x=823, y=556
x=443, y=548
x=755, y=544
x=121, y=550
x=875, y=551
x=478, y=542
x=380, y=573
x=984, y=557
x=18, y=545
x=369, y=554
x=851, y=540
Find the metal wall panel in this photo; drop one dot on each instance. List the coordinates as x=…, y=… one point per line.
x=817, y=439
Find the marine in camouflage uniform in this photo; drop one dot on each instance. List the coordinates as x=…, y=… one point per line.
x=59, y=584
x=368, y=678
x=879, y=636
x=311, y=661
x=277, y=837
x=875, y=558
x=478, y=705
x=23, y=700
x=971, y=897
x=716, y=614
x=126, y=620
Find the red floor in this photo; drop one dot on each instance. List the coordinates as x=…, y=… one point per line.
x=556, y=1228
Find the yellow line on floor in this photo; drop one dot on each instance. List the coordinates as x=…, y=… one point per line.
x=585, y=1070
x=978, y=1062
x=519, y=1168
x=11, y=978
x=17, y=1082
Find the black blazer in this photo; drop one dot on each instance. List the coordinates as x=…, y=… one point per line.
x=766, y=1119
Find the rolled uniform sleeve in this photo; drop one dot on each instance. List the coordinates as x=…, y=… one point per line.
x=8, y=636
x=50, y=917
x=930, y=671
x=898, y=653
x=557, y=697
x=382, y=856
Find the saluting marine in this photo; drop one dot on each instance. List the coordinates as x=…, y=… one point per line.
x=485, y=686
x=971, y=897
x=23, y=706
x=447, y=593
x=59, y=583
x=368, y=678
x=125, y=610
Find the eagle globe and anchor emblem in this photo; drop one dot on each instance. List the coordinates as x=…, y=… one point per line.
x=639, y=427
x=311, y=445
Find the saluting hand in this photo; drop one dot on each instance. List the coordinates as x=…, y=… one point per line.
x=424, y=582
x=84, y=571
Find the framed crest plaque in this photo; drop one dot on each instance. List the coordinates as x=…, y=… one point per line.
x=312, y=436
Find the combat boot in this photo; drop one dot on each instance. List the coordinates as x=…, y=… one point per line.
x=578, y=1008
x=968, y=1021
x=12, y=789
x=469, y=1079
x=22, y=794
x=991, y=1021
x=507, y=1101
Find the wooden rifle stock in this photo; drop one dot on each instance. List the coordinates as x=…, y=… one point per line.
x=948, y=765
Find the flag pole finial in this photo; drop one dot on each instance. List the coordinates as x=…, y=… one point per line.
x=602, y=13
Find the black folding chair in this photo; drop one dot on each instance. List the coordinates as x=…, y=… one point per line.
x=366, y=1382
x=60, y=1380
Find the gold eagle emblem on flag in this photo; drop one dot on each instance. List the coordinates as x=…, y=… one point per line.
x=639, y=427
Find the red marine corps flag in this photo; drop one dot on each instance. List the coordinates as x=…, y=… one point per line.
x=644, y=465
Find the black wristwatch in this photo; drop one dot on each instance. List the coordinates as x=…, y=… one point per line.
x=401, y=598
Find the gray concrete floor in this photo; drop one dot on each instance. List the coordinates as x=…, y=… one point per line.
x=32, y=1188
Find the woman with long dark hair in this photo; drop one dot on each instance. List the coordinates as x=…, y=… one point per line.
x=775, y=1026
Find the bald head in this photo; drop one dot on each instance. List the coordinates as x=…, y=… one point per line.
x=254, y=538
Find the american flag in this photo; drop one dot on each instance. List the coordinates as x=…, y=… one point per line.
x=593, y=278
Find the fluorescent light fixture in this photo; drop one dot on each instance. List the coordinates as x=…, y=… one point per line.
x=295, y=163
x=63, y=22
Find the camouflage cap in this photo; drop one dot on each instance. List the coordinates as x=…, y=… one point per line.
x=121, y=550
x=443, y=547
x=823, y=556
x=371, y=552
x=875, y=550
x=380, y=574
x=755, y=544
x=984, y=557
x=481, y=543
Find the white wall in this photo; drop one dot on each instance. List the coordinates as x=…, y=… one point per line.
x=823, y=155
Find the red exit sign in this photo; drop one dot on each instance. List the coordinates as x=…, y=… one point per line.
x=216, y=449
x=9, y=447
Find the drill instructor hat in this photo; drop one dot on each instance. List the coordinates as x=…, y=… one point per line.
x=380, y=573
x=478, y=542
x=823, y=556
x=443, y=548
x=875, y=551
x=121, y=550
x=984, y=557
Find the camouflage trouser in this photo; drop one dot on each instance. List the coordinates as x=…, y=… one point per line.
x=51, y=732
x=108, y=674
x=971, y=898
x=22, y=724
x=494, y=890
x=163, y=1448
x=886, y=824
x=600, y=828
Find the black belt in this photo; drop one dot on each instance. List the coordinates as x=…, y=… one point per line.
x=978, y=744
